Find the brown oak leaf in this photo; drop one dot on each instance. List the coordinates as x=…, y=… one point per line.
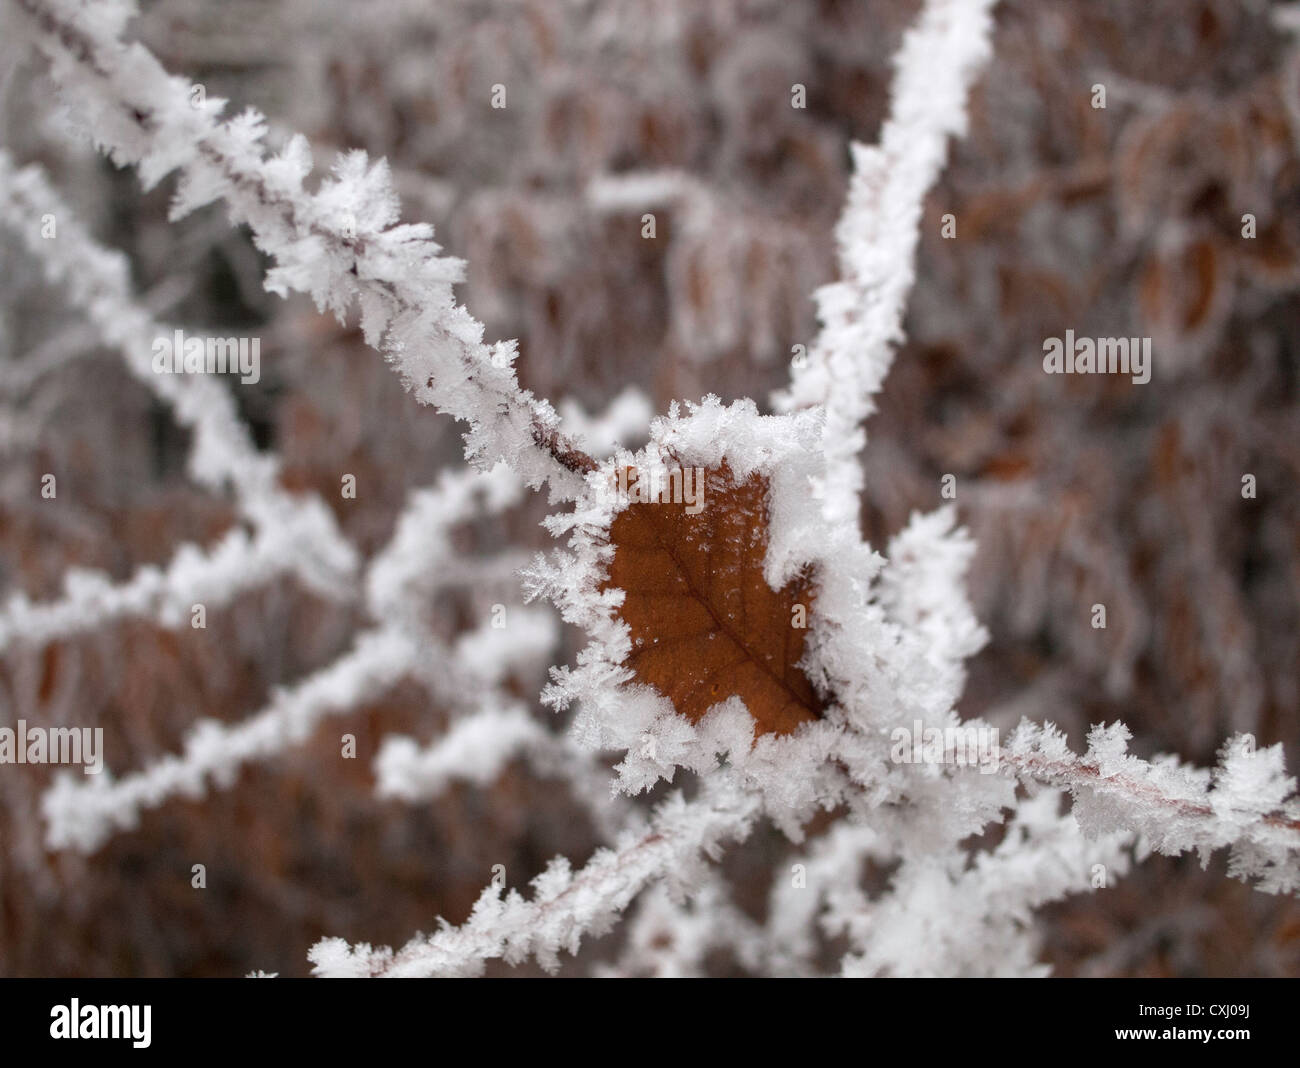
x=705, y=624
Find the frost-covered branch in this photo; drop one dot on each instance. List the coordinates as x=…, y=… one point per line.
x=475, y=750
x=671, y=937
x=341, y=244
x=96, y=281
x=825, y=879
x=83, y=814
x=862, y=314
x=293, y=533
x=465, y=677
x=210, y=577
x=566, y=905
x=947, y=915
x=1246, y=805
x=493, y=730
x=479, y=746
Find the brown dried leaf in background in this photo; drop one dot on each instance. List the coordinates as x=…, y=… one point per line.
x=705, y=624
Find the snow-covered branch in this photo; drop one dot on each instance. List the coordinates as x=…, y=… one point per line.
x=1246, y=805
x=671, y=937
x=862, y=313
x=83, y=814
x=566, y=905
x=948, y=915
x=293, y=533
x=478, y=747
x=210, y=577
x=341, y=244
x=466, y=677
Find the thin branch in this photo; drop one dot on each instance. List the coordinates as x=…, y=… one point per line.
x=862, y=314
x=566, y=905
x=340, y=244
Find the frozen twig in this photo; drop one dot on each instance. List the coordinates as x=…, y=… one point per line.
x=1246, y=805
x=294, y=533
x=341, y=244
x=566, y=905
x=82, y=815
x=862, y=314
